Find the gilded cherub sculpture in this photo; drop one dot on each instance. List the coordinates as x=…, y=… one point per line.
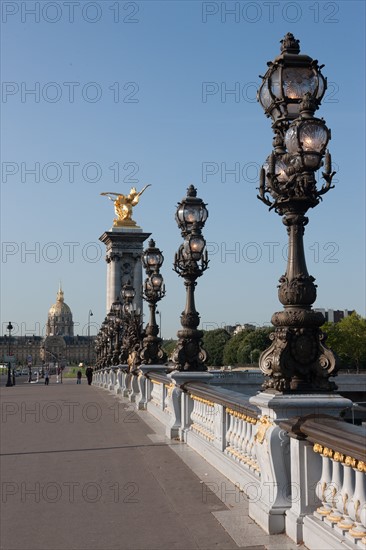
x=123, y=205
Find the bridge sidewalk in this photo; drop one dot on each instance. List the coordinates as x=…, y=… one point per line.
x=81, y=470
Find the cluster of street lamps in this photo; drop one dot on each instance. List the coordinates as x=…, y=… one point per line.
x=122, y=338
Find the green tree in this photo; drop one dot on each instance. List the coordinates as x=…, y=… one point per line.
x=233, y=345
x=246, y=346
x=348, y=340
x=214, y=342
x=259, y=339
x=332, y=335
x=255, y=355
x=169, y=346
x=243, y=354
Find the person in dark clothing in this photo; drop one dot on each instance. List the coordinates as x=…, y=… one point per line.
x=78, y=377
x=89, y=375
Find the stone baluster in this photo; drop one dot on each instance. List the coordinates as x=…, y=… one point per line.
x=322, y=491
x=124, y=391
x=334, y=488
x=241, y=439
x=118, y=384
x=346, y=494
x=237, y=438
x=244, y=441
x=134, y=388
x=251, y=447
x=230, y=433
x=357, y=505
x=211, y=415
x=200, y=413
x=235, y=433
x=194, y=411
x=111, y=379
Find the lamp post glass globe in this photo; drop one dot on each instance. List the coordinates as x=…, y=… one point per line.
x=191, y=211
x=117, y=307
x=193, y=247
x=290, y=76
x=156, y=282
x=128, y=292
x=308, y=138
x=152, y=258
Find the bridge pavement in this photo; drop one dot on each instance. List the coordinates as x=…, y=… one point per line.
x=81, y=470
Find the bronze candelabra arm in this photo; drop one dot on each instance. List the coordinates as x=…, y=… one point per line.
x=328, y=175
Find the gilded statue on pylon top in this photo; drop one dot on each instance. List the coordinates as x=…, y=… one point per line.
x=123, y=205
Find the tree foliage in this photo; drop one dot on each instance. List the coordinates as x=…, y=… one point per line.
x=214, y=342
x=246, y=346
x=348, y=340
x=230, y=355
x=169, y=346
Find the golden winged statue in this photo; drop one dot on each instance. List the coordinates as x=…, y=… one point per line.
x=123, y=205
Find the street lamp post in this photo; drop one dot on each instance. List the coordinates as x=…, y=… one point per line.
x=153, y=291
x=290, y=93
x=190, y=263
x=115, y=316
x=9, y=383
x=159, y=313
x=132, y=329
x=90, y=314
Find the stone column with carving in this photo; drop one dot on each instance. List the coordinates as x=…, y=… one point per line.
x=124, y=246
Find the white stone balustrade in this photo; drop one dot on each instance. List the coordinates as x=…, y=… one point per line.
x=240, y=438
x=306, y=487
x=203, y=417
x=342, y=492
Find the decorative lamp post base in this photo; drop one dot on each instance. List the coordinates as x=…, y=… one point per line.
x=298, y=359
x=188, y=354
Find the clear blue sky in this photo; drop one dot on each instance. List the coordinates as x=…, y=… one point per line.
x=122, y=84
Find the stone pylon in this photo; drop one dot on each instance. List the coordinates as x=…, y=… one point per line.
x=124, y=246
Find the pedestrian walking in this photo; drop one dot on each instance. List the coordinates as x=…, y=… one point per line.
x=78, y=377
x=46, y=377
x=89, y=375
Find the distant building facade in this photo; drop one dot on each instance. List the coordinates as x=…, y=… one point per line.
x=334, y=315
x=58, y=346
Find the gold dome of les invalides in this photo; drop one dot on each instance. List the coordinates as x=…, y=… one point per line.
x=59, y=321
x=60, y=308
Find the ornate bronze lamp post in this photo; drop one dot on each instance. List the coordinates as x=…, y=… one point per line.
x=117, y=324
x=90, y=314
x=291, y=92
x=154, y=290
x=132, y=328
x=104, y=338
x=111, y=337
x=9, y=328
x=190, y=263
